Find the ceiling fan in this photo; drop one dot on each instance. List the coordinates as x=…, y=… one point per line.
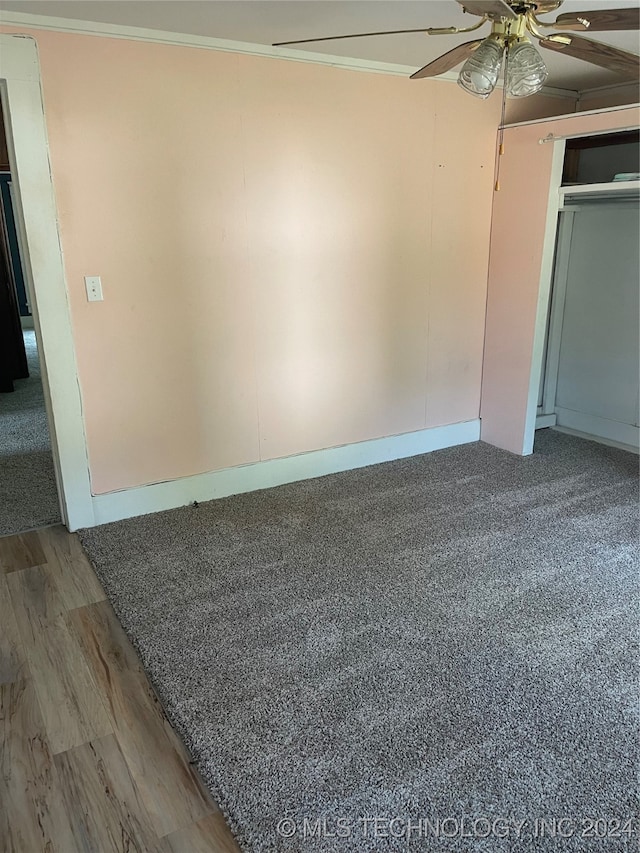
x=511, y=23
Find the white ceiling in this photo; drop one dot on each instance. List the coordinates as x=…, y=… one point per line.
x=266, y=21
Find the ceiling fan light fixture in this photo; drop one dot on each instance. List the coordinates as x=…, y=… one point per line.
x=526, y=71
x=480, y=72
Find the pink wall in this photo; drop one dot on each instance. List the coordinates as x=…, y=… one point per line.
x=517, y=243
x=293, y=256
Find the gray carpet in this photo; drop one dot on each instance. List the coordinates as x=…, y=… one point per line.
x=28, y=495
x=442, y=638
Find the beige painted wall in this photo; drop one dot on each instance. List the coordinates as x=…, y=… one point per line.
x=517, y=244
x=293, y=256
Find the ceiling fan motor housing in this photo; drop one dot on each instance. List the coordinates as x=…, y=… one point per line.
x=542, y=7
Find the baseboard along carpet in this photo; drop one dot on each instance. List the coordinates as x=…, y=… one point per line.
x=446, y=643
x=28, y=495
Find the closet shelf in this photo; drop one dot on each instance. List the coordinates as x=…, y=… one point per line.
x=611, y=188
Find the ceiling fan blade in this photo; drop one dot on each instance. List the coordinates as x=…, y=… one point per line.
x=600, y=20
x=447, y=60
x=352, y=36
x=620, y=61
x=493, y=9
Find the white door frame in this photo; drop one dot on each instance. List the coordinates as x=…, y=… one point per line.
x=556, y=315
x=607, y=431
x=20, y=88
x=544, y=294
x=555, y=204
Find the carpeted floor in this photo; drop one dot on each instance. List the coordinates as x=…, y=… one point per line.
x=445, y=638
x=28, y=495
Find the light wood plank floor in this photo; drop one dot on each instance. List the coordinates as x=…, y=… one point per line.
x=88, y=760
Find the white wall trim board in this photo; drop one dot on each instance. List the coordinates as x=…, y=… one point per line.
x=544, y=294
x=37, y=223
x=94, y=28
x=579, y=134
x=598, y=429
x=142, y=500
x=545, y=421
x=580, y=115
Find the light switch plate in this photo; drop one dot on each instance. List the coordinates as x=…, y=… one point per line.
x=94, y=288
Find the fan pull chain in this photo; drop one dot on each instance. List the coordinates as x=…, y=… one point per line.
x=500, y=150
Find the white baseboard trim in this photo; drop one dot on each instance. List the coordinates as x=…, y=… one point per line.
x=142, y=500
x=544, y=421
x=598, y=429
x=598, y=439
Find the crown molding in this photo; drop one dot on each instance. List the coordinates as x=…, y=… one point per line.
x=610, y=88
x=94, y=28
x=555, y=92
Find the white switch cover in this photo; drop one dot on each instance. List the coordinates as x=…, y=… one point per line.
x=94, y=288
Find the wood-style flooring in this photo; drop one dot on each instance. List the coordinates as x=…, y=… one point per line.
x=88, y=760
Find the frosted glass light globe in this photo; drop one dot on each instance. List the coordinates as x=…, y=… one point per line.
x=526, y=72
x=480, y=72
